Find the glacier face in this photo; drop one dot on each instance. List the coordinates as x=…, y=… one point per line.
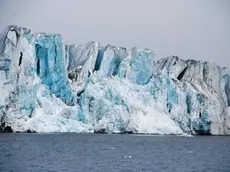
x=48, y=86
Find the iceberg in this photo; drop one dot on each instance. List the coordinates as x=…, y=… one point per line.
x=49, y=86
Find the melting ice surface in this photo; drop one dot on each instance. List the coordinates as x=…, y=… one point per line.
x=48, y=86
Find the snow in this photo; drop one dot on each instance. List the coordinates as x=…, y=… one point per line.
x=47, y=86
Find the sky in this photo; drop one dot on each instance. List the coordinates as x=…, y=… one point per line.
x=190, y=29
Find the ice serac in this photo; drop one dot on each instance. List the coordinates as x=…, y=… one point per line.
x=111, y=59
x=48, y=86
x=138, y=66
x=50, y=66
x=17, y=86
x=174, y=65
x=81, y=63
x=35, y=93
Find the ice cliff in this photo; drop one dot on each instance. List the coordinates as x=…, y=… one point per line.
x=48, y=86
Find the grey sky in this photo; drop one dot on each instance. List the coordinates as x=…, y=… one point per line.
x=197, y=29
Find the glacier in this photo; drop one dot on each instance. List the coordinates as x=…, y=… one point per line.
x=47, y=85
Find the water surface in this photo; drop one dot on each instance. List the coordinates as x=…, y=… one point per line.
x=113, y=153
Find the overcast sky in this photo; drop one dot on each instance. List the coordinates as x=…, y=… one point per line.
x=190, y=29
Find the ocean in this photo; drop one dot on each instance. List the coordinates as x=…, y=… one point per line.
x=113, y=153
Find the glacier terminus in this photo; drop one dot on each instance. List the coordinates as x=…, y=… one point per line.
x=49, y=86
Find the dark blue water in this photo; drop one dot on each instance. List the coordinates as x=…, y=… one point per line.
x=113, y=153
